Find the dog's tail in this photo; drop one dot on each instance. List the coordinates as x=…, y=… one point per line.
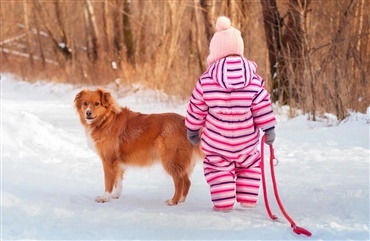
x=197, y=153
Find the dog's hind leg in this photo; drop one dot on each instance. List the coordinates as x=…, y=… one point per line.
x=179, y=185
x=185, y=188
x=175, y=161
x=175, y=170
x=178, y=171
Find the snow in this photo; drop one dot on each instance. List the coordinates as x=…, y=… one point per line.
x=50, y=177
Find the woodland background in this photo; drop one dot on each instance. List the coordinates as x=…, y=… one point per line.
x=314, y=54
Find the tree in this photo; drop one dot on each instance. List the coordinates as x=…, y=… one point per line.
x=127, y=33
x=273, y=24
x=315, y=52
x=93, y=32
x=208, y=18
x=290, y=62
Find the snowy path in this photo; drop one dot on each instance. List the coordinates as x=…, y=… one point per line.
x=50, y=178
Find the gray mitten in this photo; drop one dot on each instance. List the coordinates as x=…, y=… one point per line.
x=270, y=136
x=193, y=137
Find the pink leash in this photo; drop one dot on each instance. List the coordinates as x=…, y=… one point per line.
x=296, y=229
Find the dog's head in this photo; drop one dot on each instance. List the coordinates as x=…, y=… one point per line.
x=95, y=106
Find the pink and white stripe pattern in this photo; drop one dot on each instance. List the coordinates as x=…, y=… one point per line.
x=233, y=178
x=230, y=102
x=231, y=105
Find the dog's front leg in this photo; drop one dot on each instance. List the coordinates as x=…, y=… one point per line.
x=110, y=176
x=118, y=183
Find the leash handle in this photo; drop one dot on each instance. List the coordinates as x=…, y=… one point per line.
x=296, y=229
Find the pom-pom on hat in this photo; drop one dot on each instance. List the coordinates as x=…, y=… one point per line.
x=226, y=41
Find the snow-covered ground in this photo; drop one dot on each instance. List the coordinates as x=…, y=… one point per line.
x=49, y=178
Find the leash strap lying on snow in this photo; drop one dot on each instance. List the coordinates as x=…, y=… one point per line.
x=296, y=229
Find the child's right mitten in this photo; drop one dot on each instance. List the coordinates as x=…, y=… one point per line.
x=270, y=136
x=193, y=137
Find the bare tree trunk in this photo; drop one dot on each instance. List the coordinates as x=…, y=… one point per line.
x=176, y=11
x=359, y=19
x=27, y=31
x=310, y=75
x=66, y=42
x=141, y=47
x=339, y=106
x=287, y=52
x=197, y=38
x=292, y=41
x=118, y=38
x=272, y=25
x=107, y=24
x=246, y=21
x=61, y=19
x=207, y=18
x=96, y=48
x=127, y=32
x=40, y=45
x=228, y=6
x=62, y=47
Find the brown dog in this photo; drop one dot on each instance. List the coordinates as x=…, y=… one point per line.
x=122, y=137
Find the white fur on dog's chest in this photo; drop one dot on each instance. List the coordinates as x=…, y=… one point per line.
x=90, y=141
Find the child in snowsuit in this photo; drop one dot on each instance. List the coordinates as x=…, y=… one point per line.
x=231, y=104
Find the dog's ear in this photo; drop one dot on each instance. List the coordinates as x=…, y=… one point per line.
x=79, y=95
x=107, y=100
x=105, y=97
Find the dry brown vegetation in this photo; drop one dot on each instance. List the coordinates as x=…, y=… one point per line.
x=314, y=54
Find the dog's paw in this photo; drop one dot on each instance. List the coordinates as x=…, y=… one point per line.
x=116, y=195
x=182, y=199
x=104, y=198
x=101, y=199
x=170, y=202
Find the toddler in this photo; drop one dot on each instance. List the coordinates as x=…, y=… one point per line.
x=231, y=104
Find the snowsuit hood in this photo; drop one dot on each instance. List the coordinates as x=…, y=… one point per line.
x=233, y=72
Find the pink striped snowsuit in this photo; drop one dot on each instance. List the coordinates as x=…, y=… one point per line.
x=230, y=103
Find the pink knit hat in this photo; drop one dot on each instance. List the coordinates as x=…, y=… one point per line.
x=226, y=41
